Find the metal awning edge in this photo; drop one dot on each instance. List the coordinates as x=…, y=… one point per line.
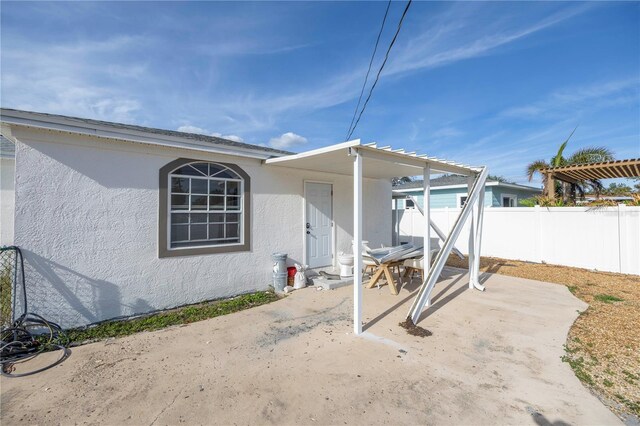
x=386, y=153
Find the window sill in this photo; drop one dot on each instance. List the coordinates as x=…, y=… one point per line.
x=203, y=250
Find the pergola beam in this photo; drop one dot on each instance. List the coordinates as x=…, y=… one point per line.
x=563, y=177
x=603, y=170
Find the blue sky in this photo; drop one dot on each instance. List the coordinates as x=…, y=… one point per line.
x=497, y=84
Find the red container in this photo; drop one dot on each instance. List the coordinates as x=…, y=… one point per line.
x=291, y=271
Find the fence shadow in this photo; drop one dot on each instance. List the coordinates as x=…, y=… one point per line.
x=69, y=297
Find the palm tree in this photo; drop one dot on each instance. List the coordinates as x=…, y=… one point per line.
x=582, y=156
x=498, y=178
x=400, y=180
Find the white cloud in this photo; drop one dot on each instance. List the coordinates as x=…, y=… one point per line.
x=450, y=37
x=447, y=132
x=287, y=140
x=571, y=101
x=70, y=79
x=89, y=79
x=235, y=138
x=200, y=131
x=193, y=129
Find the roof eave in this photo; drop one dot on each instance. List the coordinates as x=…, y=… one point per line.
x=22, y=119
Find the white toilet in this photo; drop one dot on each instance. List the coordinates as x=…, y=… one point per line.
x=346, y=265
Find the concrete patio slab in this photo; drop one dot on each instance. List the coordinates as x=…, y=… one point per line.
x=493, y=358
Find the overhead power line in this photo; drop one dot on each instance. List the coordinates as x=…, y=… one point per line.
x=366, y=78
x=386, y=57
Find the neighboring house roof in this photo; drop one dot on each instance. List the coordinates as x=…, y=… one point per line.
x=456, y=181
x=7, y=148
x=135, y=133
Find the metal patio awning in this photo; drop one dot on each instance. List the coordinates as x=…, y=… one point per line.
x=382, y=162
x=370, y=161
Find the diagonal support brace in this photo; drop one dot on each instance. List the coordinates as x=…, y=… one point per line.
x=435, y=227
x=424, y=294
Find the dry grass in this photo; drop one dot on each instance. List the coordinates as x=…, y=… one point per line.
x=603, y=346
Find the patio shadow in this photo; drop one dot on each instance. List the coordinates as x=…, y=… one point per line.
x=412, y=286
x=438, y=301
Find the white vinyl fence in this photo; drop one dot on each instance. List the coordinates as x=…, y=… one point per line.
x=604, y=238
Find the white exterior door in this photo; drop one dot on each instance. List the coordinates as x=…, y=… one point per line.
x=319, y=229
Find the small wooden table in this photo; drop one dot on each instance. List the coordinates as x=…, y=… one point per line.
x=386, y=269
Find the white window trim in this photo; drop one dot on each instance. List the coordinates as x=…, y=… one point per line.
x=406, y=204
x=459, y=198
x=512, y=196
x=207, y=211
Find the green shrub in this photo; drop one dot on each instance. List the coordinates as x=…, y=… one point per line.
x=607, y=298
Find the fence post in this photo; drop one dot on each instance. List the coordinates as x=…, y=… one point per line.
x=621, y=232
x=538, y=232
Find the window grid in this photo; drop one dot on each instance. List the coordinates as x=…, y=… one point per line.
x=222, y=223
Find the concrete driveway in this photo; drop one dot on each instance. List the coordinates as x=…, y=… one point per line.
x=493, y=358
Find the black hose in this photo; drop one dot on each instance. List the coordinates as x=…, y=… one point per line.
x=20, y=343
x=30, y=334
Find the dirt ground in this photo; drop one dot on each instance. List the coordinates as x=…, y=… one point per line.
x=494, y=357
x=604, y=343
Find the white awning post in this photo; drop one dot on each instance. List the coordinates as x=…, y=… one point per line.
x=357, y=238
x=476, y=269
x=472, y=234
x=426, y=187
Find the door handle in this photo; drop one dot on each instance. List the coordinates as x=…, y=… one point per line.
x=308, y=232
x=308, y=225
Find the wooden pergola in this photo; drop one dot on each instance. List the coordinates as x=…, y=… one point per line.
x=580, y=172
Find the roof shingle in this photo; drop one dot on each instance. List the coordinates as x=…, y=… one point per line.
x=173, y=133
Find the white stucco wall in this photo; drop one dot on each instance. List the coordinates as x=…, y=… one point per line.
x=87, y=221
x=7, y=171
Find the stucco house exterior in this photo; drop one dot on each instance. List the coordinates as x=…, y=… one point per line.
x=451, y=191
x=7, y=167
x=116, y=220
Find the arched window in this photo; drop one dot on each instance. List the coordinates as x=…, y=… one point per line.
x=206, y=207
